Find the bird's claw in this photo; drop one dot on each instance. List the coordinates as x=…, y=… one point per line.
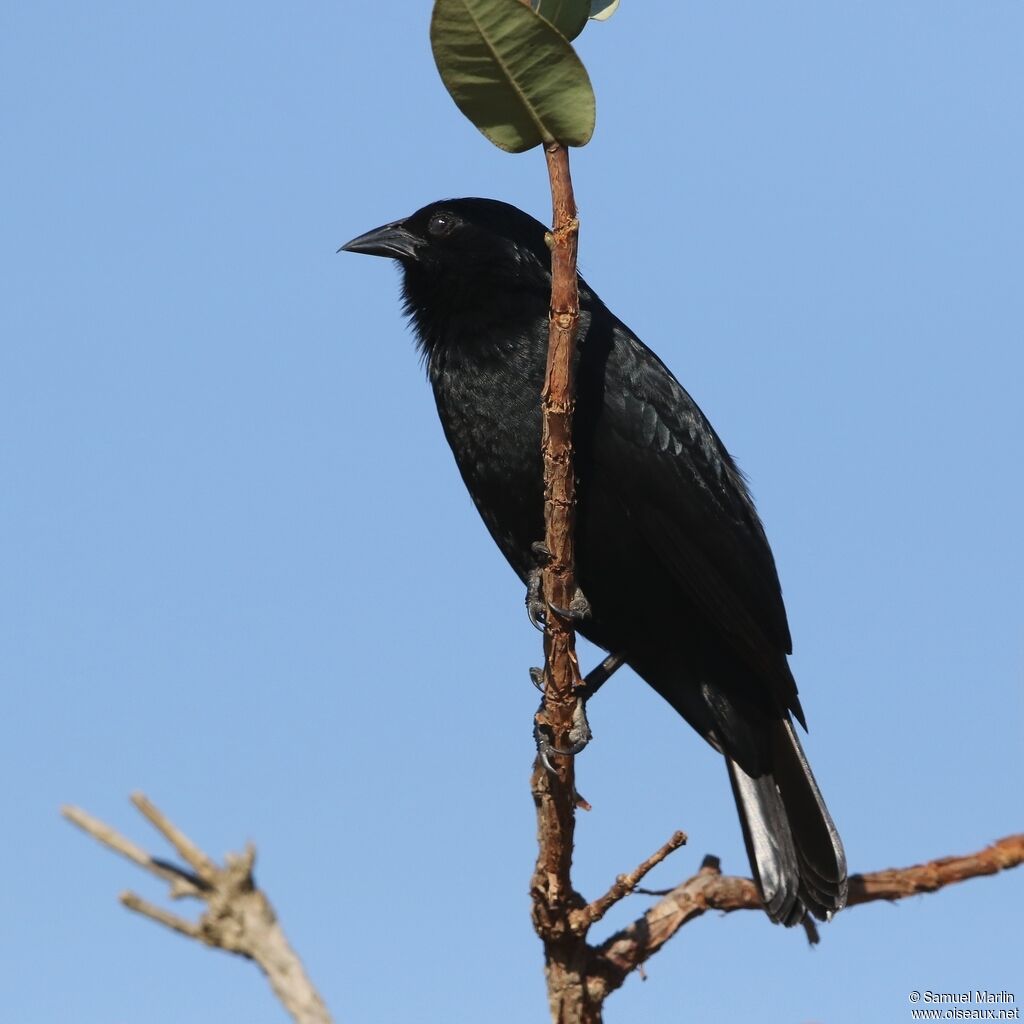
x=579, y=736
x=578, y=610
x=541, y=552
x=537, y=607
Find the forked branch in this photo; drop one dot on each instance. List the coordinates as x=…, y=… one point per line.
x=238, y=917
x=624, y=885
x=709, y=889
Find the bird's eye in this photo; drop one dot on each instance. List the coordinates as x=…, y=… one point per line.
x=441, y=224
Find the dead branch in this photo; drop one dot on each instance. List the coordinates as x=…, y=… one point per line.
x=624, y=885
x=709, y=889
x=898, y=883
x=238, y=917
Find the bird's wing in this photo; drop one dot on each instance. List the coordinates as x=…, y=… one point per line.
x=686, y=497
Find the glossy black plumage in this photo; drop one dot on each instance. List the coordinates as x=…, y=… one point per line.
x=670, y=551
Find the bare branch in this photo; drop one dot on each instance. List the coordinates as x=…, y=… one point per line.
x=629, y=948
x=203, y=866
x=182, y=883
x=624, y=885
x=898, y=883
x=178, y=924
x=238, y=917
x=554, y=792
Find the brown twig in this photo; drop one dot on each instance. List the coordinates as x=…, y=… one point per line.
x=181, y=925
x=554, y=792
x=628, y=949
x=238, y=917
x=898, y=883
x=624, y=885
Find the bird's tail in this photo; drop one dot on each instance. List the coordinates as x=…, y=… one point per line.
x=794, y=849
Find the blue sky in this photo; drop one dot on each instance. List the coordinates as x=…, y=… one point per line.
x=240, y=572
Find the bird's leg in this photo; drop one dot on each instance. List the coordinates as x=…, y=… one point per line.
x=537, y=607
x=591, y=682
x=580, y=734
x=596, y=677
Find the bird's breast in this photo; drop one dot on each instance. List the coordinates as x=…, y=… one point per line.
x=491, y=420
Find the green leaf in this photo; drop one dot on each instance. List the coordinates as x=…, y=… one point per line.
x=602, y=10
x=568, y=16
x=512, y=74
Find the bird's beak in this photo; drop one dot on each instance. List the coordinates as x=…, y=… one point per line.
x=392, y=240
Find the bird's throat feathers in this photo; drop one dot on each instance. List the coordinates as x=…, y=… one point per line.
x=476, y=311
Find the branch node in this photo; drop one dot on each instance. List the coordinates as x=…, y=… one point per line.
x=711, y=865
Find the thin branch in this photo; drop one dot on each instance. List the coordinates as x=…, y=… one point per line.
x=898, y=883
x=629, y=948
x=624, y=885
x=238, y=917
x=189, y=929
x=203, y=866
x=183, y=883
x=554, y=792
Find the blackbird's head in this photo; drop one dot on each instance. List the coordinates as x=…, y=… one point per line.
x=465, y=258
x=459, y=237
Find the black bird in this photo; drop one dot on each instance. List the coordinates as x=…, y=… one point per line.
x=670, y=552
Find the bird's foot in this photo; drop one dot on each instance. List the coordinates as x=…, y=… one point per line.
x=537, y=607
x=579, y=736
